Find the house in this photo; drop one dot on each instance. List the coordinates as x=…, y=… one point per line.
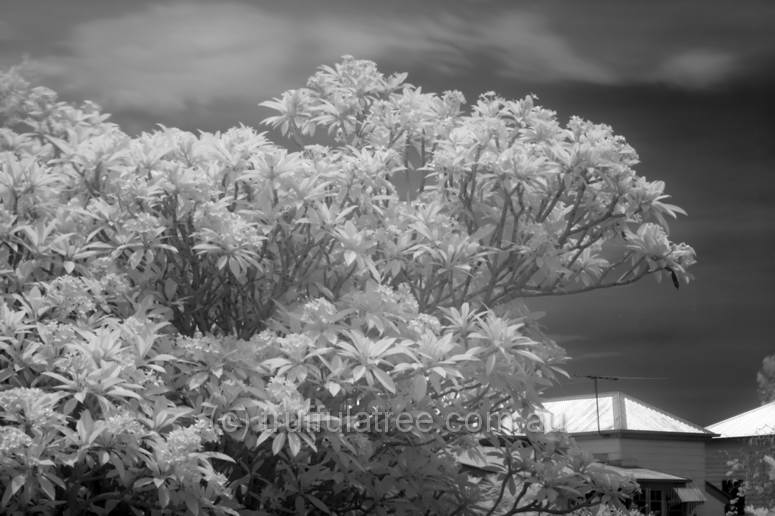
x=680, y=466
x=746, y=438
x=663, y=452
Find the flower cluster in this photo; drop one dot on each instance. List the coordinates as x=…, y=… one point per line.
x=13, y=440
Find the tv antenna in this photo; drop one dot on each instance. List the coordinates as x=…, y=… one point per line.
x=595, y=378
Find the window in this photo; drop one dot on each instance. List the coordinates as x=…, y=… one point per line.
x=658, y=500
x=655, y=502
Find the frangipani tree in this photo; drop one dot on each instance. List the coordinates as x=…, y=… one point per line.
x=218, y=324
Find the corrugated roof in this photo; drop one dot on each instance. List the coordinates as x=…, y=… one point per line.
x=490, y=459
x=758, y=421
x=642, y=473
x=689, y=494
x=618, y=412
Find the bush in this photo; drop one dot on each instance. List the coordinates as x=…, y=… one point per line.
x=219, y=325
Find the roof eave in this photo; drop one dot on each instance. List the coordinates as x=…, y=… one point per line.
x=689, y=436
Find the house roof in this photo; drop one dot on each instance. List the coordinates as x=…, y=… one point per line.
x=758, y=421
x=617, y=412
x=642, y=474
x=690, y=495
x=486, y=458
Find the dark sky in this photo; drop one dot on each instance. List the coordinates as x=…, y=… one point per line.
x=689, y=83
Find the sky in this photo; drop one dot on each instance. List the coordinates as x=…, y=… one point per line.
x=689, y=84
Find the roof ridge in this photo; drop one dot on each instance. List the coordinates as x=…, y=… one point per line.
x=736, y=416
x=591, y=395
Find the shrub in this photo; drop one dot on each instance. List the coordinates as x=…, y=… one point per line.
x=216, y=324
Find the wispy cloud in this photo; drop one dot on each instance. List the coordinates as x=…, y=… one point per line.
x=167, y=56
x=597, y=355
x=528, y=48
x=698, y=68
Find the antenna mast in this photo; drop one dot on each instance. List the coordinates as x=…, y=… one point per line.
x=595, y=378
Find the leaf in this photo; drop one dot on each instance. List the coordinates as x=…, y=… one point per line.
x=198, y=379
x=192, y=504
x=435, y=380
x=349, y=257
x=300, y=506
x=490, y=364
x=309, y=439
x=419, y=387
x=217, y=455
x=380, y=347
x=164, y=497
x=294, y=443
x=674, y=277
x=60, y=144
x=512, y=486
x=236, y=268
x=278, y=443
x=135, y=258
x=318, y=503
x=358, y=372
x=334, y=388
x=17, y=482
x=385, y=379
x=266, y=434
x=125, y=393
x=6, y=496
x=170, y=287
x=530, y=355
x=47, y=487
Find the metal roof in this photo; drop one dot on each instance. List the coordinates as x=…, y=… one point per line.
x=642, y=473
x=617, y=412
x=690, y=494
x=490, y=459
x=758, y=421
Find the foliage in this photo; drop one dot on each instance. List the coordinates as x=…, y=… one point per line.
x=755, y=463
x=765, y=379
x=754, y=466
x=213, y=323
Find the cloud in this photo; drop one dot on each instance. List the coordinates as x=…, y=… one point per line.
x=597, y=355
x=529, y=49
x=168, y=56
x=697, y=68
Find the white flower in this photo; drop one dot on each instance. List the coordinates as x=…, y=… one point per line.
x=650, y=240
x=12, y=440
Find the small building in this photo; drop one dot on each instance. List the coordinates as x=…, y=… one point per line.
x=742, y=439
x=683, y=469
x=663, y=452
